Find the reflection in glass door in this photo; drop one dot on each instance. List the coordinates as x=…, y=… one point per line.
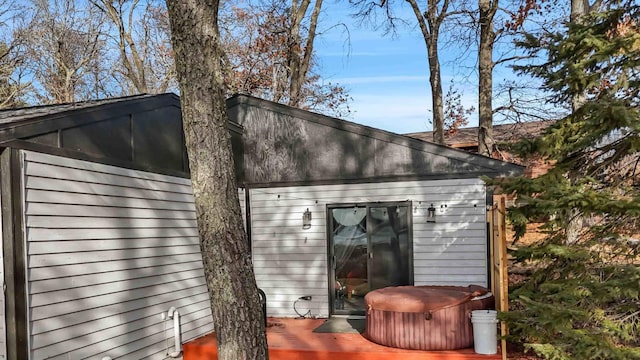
x=389, y=246
x=350, y=250
x=369, y=248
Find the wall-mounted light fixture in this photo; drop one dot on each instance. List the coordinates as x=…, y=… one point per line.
x=306, y=219
x=431, y=214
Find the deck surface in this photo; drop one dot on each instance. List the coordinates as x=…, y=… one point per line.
x=291, y=339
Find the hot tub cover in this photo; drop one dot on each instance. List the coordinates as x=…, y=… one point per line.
x=421, y=299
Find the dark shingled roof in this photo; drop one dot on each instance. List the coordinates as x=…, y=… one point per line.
x=505, y=133
x=26, y=113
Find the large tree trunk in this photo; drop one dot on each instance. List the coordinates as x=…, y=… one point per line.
x=485, y=78
x=229, y=274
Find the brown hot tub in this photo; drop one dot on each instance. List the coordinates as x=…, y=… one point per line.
x=424, y=317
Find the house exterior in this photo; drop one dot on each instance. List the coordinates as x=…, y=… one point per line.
x=99, y=238
x=368, y=193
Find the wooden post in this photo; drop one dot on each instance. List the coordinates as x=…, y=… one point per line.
x=496, y=218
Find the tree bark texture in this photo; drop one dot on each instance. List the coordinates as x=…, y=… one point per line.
x=235, y=304
x=133, y=63
x=579, y=8
x=485, y=76
x=299, y=56
x=430, y=22
x=435, y=79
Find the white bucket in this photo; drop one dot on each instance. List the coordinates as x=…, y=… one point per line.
x=485, y=331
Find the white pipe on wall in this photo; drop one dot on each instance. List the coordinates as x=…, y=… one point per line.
x=175, y=315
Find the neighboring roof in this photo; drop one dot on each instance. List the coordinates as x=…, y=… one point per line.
x=314, y=148
x=504, y=133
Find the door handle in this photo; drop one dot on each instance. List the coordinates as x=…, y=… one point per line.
x=370, y=255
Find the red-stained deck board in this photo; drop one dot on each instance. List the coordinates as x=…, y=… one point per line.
x=291, y=339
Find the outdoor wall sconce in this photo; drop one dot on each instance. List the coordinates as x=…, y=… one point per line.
x=431, y=214
x=306, y=219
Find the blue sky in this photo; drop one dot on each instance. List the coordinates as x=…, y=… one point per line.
x=388, y=77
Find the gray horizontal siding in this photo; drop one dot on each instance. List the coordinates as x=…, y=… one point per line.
x=108, y=251
x=53, y=184
x=70, y=318
x=54, y=284
x=49, y=234
x=59, y=197
x=290, y=262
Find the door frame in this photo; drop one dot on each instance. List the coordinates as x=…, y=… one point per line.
x=330, y=249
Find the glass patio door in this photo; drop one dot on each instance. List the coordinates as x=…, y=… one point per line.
x=369, y=248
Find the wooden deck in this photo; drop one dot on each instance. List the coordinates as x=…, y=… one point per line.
x=291, y=339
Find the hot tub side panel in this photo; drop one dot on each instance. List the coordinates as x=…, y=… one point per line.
x=291, y=262
x=444, y=329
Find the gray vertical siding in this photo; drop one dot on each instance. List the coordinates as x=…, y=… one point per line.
x=291, y=262
x=109, y=250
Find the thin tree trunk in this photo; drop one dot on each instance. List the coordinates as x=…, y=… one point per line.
x=579, y=8
x=485, y=79
x=132, y=63
x=229, y=274
x=301, y=60
x=435, y=79
x=430, y=22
